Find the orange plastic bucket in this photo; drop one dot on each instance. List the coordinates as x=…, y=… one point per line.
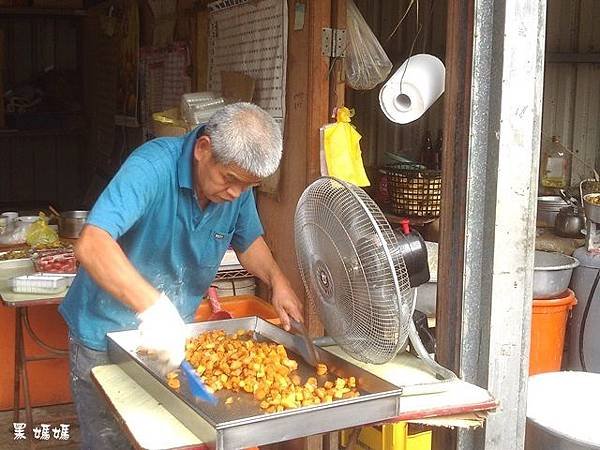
x=548, y=327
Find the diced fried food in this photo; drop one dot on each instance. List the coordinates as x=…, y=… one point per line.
x=238, y=363
x=174, y=383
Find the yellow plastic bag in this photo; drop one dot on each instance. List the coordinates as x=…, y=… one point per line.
x=342, y=150
x=39, y=233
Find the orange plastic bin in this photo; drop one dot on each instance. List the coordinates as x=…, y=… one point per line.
x=548, y=327
x=241, y=306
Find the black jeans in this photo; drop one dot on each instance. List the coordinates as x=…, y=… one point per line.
x=97, y=426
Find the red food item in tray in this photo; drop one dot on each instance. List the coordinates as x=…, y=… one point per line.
x=58, y=263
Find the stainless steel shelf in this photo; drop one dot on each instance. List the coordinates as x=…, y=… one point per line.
x=232, y=274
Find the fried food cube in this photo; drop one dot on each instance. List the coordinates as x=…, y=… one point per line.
x=289, y=401
x=352, y=382
x=321, y=369
x=174, y=383
x=229, y=400
x=260, y=394
x=340, y=383
x=172, y=374
x=296, y=380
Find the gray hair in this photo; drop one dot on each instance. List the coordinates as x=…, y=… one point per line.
x=247, y=136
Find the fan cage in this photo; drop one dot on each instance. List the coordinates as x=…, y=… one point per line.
x=354, y=275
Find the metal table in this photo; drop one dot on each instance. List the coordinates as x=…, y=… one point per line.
x=22, y=303
x=139, y=404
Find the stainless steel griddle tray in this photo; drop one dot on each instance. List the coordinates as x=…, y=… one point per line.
x=242, y=423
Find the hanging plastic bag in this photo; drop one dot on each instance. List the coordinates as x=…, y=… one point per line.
x=342, y=150
x=39, y=233
x=367, y=64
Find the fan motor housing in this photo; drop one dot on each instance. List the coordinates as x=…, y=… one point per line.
x=414, y=251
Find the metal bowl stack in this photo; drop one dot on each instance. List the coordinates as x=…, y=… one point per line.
x=548, y=208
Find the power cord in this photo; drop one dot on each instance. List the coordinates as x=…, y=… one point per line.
x=584, y=320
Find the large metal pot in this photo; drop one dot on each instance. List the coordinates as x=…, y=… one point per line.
x=552, y=274
x=70, y=223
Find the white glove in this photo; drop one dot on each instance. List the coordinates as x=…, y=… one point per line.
x=163, y=333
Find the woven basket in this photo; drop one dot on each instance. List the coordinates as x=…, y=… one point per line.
x=414, y=192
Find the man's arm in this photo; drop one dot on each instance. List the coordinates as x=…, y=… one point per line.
x=258, y=260
x=107, y=264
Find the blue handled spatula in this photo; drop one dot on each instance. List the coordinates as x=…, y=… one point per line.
x=197, y=386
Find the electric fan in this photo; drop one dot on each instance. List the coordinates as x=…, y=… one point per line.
x=359, y=272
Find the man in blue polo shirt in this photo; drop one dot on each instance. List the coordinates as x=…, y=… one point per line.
x=154, y=241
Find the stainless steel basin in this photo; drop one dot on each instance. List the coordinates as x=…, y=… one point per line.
x=552, y=274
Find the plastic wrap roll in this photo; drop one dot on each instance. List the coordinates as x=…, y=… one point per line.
x=413, y=88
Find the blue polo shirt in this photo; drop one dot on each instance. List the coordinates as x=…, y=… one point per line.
x=150, y=209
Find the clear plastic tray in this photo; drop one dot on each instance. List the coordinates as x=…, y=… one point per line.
x=39, y=284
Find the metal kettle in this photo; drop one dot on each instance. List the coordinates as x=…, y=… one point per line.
x=569, y=222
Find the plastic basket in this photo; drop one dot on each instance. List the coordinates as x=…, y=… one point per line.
x=414, y=192
x=395, y=436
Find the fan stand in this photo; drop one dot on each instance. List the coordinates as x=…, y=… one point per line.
x=440, y=372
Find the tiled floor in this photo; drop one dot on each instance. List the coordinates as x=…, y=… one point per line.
x=52, y=415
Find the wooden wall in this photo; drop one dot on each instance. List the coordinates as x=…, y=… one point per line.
x=307, y=86
x=572, y=89
x=41, y=165
x=35, y=43
x=380, y=135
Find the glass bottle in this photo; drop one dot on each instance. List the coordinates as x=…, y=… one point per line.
x=427, y=155
x=555, y=165
x=438, y=151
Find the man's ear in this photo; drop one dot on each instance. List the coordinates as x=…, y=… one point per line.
x=202, y=149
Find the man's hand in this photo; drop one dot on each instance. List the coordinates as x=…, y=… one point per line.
x=286, y=303
x=162, y=332
x=258, y=260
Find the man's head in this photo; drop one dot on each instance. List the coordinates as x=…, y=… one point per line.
x=240, y=146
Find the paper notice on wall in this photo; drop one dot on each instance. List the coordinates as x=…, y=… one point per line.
x=251, y=37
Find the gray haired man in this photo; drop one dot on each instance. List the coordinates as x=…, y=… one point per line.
x=154, y=241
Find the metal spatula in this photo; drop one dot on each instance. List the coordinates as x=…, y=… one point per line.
x=306, y=348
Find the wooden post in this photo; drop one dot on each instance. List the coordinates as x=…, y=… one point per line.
x=2, y=57
x=337, y=78
x=455, y=160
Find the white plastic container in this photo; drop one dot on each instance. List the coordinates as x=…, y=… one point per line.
x=198, y=107
x=39, y=284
